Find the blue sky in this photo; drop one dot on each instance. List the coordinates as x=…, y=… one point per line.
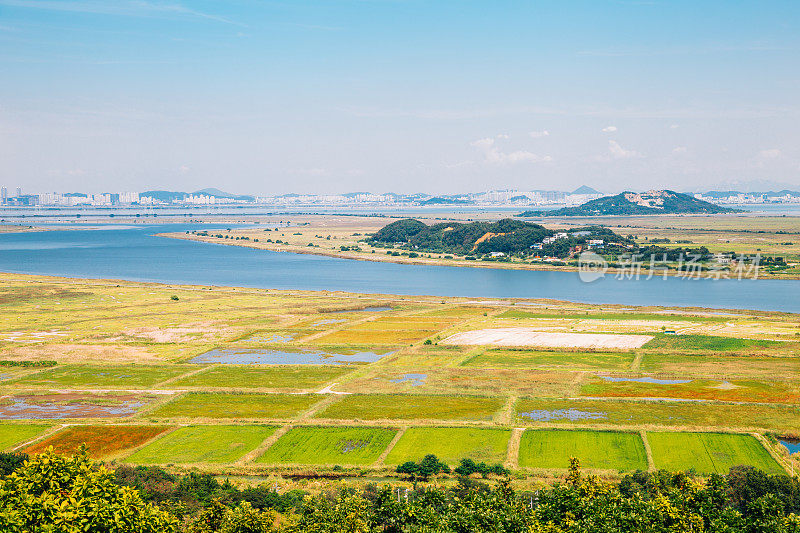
x=405, y=96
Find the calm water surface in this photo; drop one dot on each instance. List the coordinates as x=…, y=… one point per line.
x=133, y=253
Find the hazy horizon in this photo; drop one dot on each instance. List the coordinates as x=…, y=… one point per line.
x=401, y=96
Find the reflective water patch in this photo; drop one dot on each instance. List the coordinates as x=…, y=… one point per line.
x=545, y=415
x=415, y=379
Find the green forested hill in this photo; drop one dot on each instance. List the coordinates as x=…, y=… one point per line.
x=512, y=237
x=630, y=203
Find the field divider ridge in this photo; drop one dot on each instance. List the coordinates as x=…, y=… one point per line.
x=203, y=368
x=577, y=382
x=385, y=453
x=462, y=325
x=651, y=465
x=339, y=327
x=512, y=452
x=317, y=407
x=47, y=433
x=505, y=415
x=468, y=356
x=784, y=462
x=264, y=446
x=123, y=454
x=152, y=406
x=636, y=364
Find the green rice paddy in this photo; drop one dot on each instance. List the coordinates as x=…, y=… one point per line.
x=105, y=376
x=14, y=434
x=713, y=343
x=451, y=444
x=202, y=444
x=329, y=446
x=245, y=405
x=554, y=359
x=604, y=450
x=412, y=407
x=298, y=377
x=709, y=453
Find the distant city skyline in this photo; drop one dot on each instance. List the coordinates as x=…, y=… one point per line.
x=495, y=198
x=440, y=98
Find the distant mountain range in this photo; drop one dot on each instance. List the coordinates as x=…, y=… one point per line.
x=632, y=203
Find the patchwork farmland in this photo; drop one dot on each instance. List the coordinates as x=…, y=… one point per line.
x=279, y=384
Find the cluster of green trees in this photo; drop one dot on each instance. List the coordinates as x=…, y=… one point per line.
x=50, y=493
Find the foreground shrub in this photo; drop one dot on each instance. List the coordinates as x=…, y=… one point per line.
x=50, y=493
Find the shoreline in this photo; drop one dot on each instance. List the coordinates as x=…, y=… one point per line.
x=390, y=298
x=380, y=258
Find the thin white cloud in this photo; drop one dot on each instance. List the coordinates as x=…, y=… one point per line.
x=539, y=134
x=609, y=129
x=772, y=153
x=674, y=126
x=679, y=150
x=503, y=136
x=120, y=8
x=483, y=143
x=618, y=152
x=493, y=155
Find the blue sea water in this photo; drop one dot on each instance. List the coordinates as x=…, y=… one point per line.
x=134, y=253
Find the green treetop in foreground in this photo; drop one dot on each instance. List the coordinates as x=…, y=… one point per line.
x=50, y=493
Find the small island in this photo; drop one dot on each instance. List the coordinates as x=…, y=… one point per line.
x=502, y=239
x=664, y=202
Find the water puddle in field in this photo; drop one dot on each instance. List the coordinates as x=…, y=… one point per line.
x=376, y=309
x=233, y=356
x=327, y=322
x=53, y=406
x=654, y=381
x=546, y=415
x=793, y=445
x=270, y=338
x=415, y=379
x=351, y=445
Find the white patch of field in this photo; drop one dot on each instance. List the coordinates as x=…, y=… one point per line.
x=548, y=339
x=30, y=336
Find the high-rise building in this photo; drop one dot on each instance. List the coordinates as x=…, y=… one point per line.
x=3, y=196
x=19, y=192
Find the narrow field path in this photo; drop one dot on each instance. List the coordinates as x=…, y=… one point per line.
x=203, y=368
x=637, y=362
x=382, y=457
x=122, y=454
x=264, y=446
x=651, y=465
x=787, y=463
x=577, y=381
x=55, y=429
x=317, y=407
x=505, y=416
x=328, y=389
x=467, y=356
x=512, y=453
